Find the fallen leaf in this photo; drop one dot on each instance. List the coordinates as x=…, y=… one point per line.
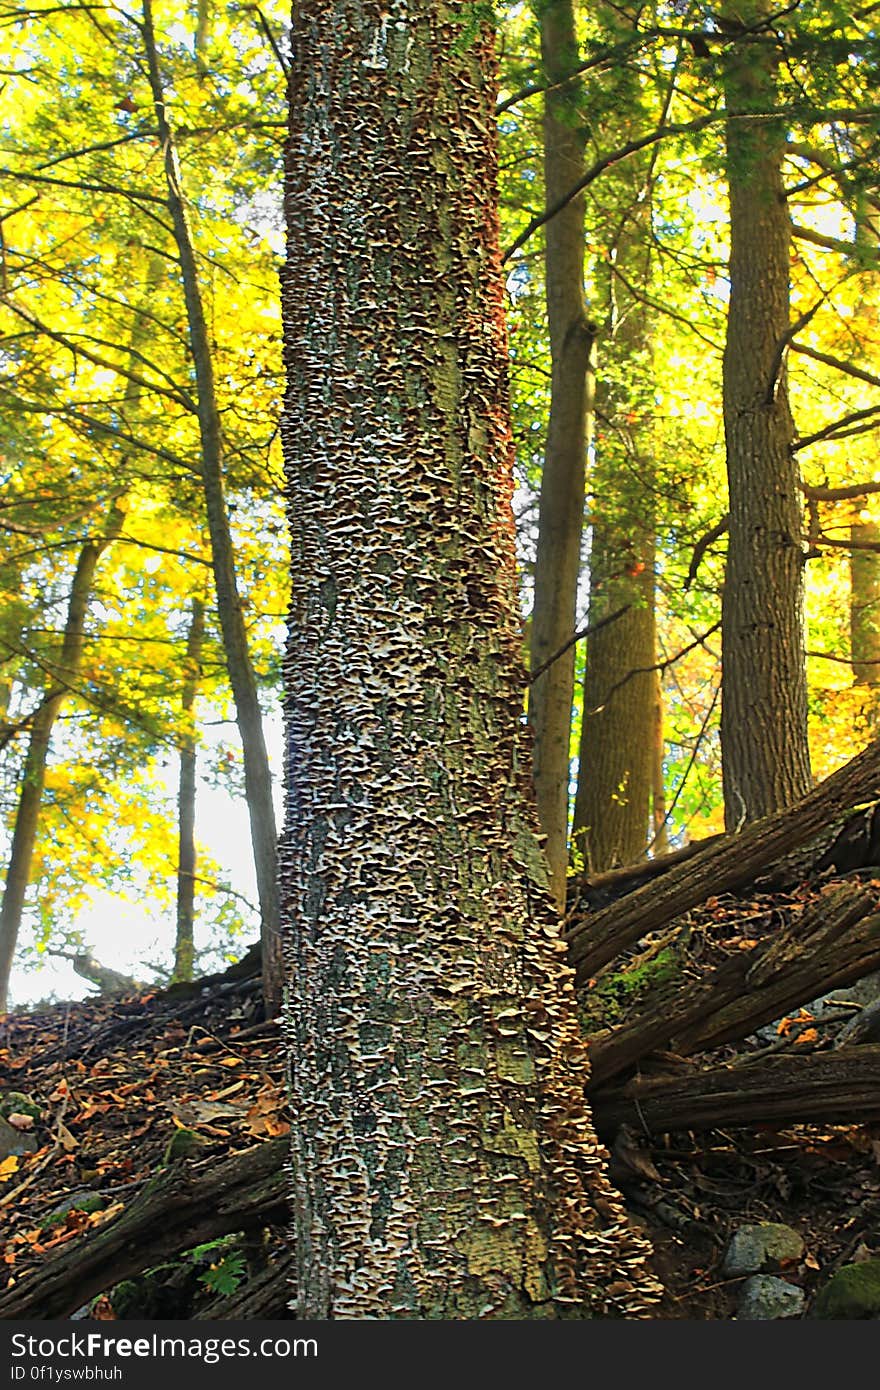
x=65, y=1138
x=7, y=1167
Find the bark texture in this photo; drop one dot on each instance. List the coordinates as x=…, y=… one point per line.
x=444, y=1163
x=617, y=749
x=257, y=775
x=765, y=755
x=826, y=1087
x=561, y=509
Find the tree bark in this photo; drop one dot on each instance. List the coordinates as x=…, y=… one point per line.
x=765, y=754
x=561, y=508
x=659, y=843
x=33, y=777
x=184, y=947
x=444, y=1164
x=257, y=775
x=724, y=866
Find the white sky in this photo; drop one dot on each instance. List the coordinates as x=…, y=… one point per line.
x=127, y=938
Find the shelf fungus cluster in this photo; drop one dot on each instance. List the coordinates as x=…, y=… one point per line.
x=443, y=1161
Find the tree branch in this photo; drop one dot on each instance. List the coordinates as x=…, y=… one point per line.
x=702, y=545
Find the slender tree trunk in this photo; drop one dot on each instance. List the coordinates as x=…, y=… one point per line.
x=444, y=1163
x=560, y=518
x=33, y=776
x=864, y=605
x=257, y=776
x=616, y=763
x=184, y=951
x=765, y=755
x=10, y=634
x=659, y=826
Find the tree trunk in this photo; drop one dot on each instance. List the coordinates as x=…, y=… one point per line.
x=33, y=777
x=618, y=724
x=765, y=754
x=257, y=776
x=444, y=1163
x=864, y=605
x=616, y=765
x=184, y=949
x=659, y=825
x=560, y=516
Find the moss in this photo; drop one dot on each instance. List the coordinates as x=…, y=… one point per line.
x=611, y=1000
x=77, y=1201
x=17, y=1103
x=853, y=1293
x=184, y=1143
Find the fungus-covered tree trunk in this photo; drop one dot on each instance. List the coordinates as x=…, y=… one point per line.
x=561, y=510
x=765, y=755
x=444, y=1163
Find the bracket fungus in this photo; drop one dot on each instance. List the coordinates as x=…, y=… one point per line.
x=443, y=1160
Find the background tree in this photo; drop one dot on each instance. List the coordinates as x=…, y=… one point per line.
x=571, y=334
x=257, y=774
x=620, y=720
x=765, y=752
x=187, y=853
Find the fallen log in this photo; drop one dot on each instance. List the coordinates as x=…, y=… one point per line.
x=837, y=1087
x=834, y=941
x=597, y=890
x=722, y=867
x=183, y=1206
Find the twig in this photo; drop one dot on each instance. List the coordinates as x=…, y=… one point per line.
x=587, y=631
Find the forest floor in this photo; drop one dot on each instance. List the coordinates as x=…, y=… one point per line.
x=116, y=1082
